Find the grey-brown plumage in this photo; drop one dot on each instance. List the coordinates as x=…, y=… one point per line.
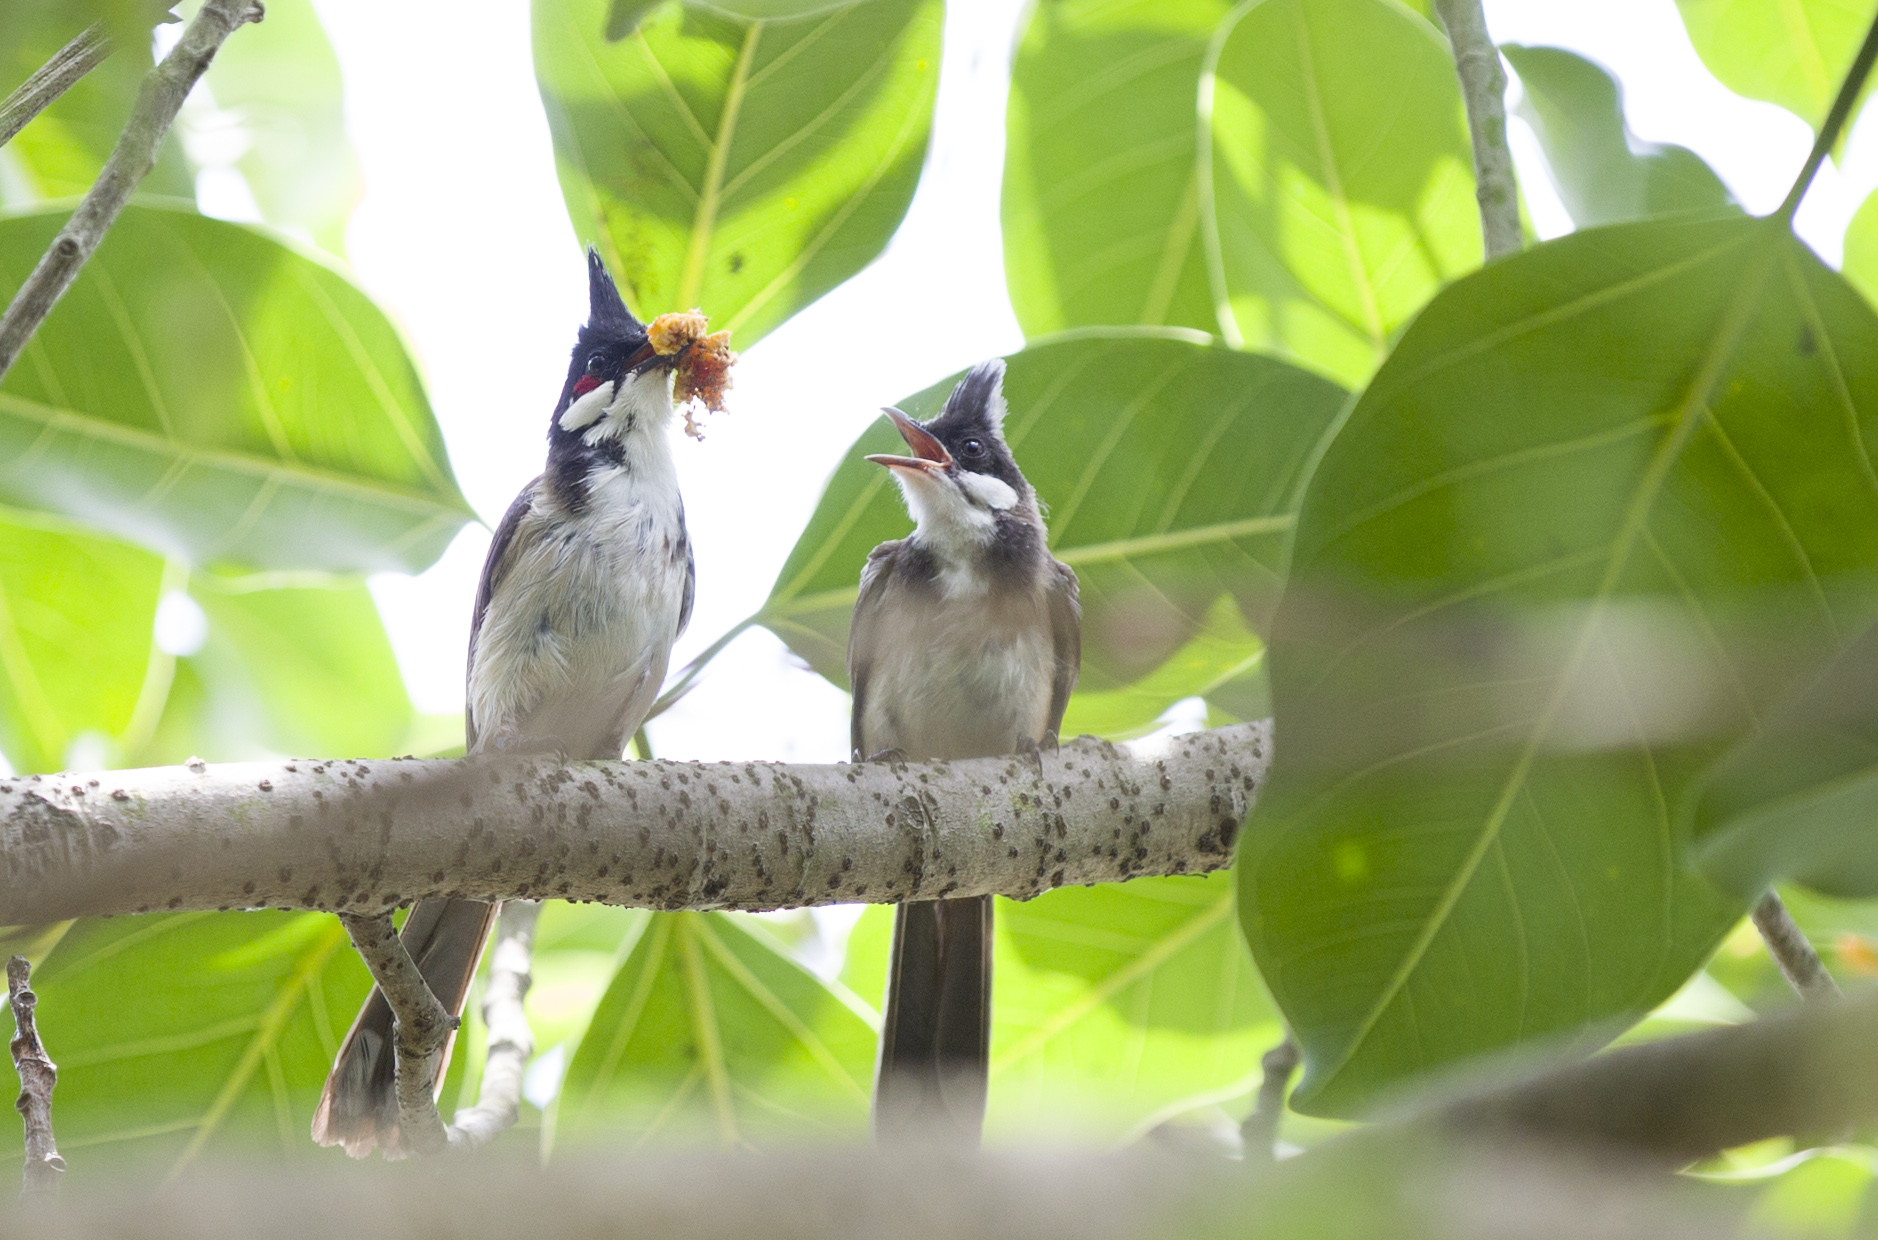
x=965, y=643
x=587, y=584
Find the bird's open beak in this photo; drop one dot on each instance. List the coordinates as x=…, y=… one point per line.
x=929, y=455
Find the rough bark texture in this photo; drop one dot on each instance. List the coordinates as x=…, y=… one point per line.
x=422, y=1030
x=38, y=1075
x=365, y=837
x=510, y=1043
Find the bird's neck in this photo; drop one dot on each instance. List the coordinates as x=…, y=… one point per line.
x=1011, y=551
x=626, y=449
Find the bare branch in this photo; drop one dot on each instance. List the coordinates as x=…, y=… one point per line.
x=1260, y=1130
x=1792, y=950
x=38, y=1074
x=365, y=837
x=1483, y=86
x=423, y=1029
x=511, y=1042
x=158, y=100
x=52, y=79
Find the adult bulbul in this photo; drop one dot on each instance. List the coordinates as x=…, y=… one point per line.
x=966, y=640
x=587, y=585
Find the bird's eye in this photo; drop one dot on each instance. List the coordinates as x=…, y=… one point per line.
x=972, y=447
x=596, y=362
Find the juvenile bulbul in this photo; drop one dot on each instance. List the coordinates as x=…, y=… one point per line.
x=966, y=640
x=587, y=584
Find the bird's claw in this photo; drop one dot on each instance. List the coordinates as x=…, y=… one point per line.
x=893, y=756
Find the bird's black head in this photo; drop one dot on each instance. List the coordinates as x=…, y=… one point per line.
x=961, y=473
x=612, y=345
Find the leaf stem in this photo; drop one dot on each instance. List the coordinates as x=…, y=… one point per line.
x=52, y=79
x=1835, y=122
x=1483, y=86
x=1260, y=1130
x=158, y=100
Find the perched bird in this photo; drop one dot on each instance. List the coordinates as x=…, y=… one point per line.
x=965, y=643
x=587, y=585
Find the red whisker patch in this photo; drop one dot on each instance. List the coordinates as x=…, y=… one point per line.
x=585, y=384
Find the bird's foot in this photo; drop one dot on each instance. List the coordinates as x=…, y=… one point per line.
x=892, y=757
x=1035, y=749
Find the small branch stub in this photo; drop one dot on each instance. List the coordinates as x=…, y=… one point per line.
x=38, y=1075
x=1483, y=87
x=1260, y=1130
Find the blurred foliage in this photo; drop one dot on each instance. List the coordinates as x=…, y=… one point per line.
x=1793, y=53
x=1505, y=650
x=1603, y=172
x=744, y=164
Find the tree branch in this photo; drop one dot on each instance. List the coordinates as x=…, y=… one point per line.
x=158, y=100
x=52, y=79
x=38, y=1074
x=1792, y=950
x=511, y=1043
x=422, y=1030
x=364, y=837
x=1483, y=86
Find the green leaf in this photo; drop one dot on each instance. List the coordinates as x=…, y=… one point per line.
x=1101, y=192
x=1113, y=1005
x=741, y=165
x=61, y=152
x=76, y=659
x=1337, y=185
x=1790, y=52
x=1606, y=500
x=305, y=671
x=710, y=1033
x=209, y=393
x=1796, y=798
x=280, y=79
x=192, y=1034
x=1604, y=173
x=1169, y=468
x=1861, y=249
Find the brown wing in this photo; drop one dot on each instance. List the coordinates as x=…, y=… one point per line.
x=861, y=632
x=495, y=566
x=1066, y=633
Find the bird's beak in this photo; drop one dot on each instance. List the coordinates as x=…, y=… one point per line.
x=929, y=455
x=643, y=356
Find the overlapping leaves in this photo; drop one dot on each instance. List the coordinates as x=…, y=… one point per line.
x=744, y=164
x=1336, y=180
x=1604, y=503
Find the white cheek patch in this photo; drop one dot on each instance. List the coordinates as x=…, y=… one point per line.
x=588, y=408
x=993, y=493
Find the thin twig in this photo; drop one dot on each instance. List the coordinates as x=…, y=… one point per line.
x=1835, y=122
x=1792, y=950
x=511, y=1042
x=38, y=1074
x=52, y=79
x=1483, y=86
x=1260, y=1130
x=158, y=100
x=423, y=1030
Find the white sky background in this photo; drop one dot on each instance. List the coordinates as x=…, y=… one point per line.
x=463, y=239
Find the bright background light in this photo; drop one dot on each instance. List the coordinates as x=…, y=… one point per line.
x=463, y=239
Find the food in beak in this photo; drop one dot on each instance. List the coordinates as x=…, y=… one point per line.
x=928, y=453
x=701, y=361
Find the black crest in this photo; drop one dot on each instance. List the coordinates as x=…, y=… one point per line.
x=606, y=309
x=971, y=426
